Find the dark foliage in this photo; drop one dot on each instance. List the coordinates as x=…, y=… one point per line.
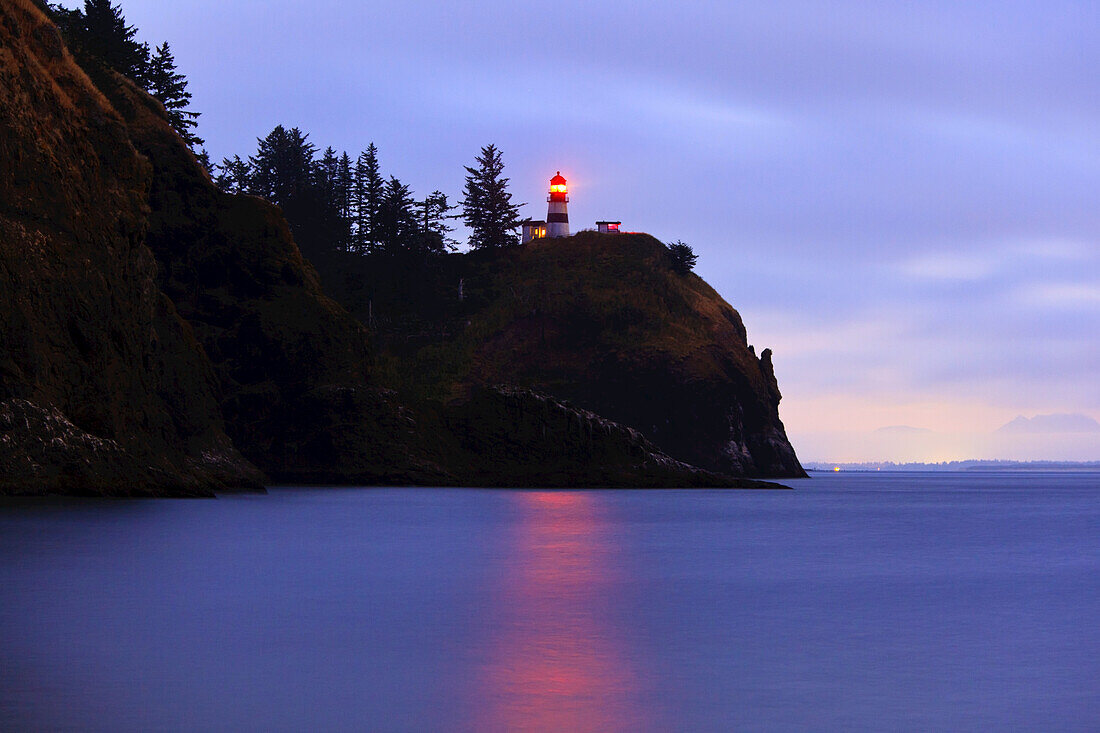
x=433, y=214
x=105, y=38
x=352, y=223
x=366, y=200
x=682, y=256
x=102, y=42
x=396, y=225
x=235, y=176
x=487, y=208
x=169, y=87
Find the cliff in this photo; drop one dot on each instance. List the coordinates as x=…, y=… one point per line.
x=103, y=387
x=153, y=326
x=604, y=322
x=292, y=365
x=503, y=431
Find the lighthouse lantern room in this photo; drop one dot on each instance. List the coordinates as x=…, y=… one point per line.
x=557, y=216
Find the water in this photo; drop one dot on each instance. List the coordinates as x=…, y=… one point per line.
x=856, y=602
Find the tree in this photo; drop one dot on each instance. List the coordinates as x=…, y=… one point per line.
x=235, y=175
x=107, y=39
x=285, y=171
x=396, y=224
x=683, y=257
x=170, y=88
x=283, y=168
x=203, y=156
x=487, y=207
x=343, y=186
x=368, y=189
x=433, y=214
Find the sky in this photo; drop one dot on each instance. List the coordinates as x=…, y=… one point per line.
x=900, y=198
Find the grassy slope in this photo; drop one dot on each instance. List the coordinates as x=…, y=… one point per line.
x=600, y=320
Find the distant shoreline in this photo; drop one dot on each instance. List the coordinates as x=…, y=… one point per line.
x=971, y=465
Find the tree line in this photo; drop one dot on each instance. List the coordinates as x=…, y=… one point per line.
x=335, y=205
x=101, y=40
x=339, y=204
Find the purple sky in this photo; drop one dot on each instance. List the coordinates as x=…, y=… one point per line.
x=901, y=198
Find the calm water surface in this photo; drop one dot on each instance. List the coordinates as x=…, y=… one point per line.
x=855, y=602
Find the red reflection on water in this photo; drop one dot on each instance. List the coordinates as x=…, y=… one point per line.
x=557, y=660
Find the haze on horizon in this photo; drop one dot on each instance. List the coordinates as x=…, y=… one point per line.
x=899, y=198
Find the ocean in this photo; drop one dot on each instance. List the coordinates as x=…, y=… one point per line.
x=879, y=601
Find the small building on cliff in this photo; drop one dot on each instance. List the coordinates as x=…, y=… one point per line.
x=531, y=229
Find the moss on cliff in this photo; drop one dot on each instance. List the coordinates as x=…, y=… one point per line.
x=151, y=322
x=604, y=322
x=90, y=350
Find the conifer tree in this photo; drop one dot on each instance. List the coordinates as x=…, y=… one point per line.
x=433, y=214
x=344, y=185
x=344, y=191
x=327, y=172
x=170, y=87
x=396, y=223
x=369, y=188
x=487, y=207
x=283, y=168
x=107, y=39
x=235, y=175
x=682, y=257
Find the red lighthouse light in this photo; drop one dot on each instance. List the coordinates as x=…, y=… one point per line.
x=557, y=184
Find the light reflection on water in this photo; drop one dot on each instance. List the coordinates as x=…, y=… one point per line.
x=855, y=602
x=557, y=661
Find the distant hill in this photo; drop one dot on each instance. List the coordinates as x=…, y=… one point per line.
x=1054, y=423
x=973, y=465
x=902, y=430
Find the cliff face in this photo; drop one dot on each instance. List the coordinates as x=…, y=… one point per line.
x=103, y=387
x=604, y=322
x=151, y=325
x=516, y=437
x=292, y=366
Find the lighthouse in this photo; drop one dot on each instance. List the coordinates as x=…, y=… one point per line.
x=557, y=218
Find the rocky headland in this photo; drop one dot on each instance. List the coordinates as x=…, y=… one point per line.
x=161, y=337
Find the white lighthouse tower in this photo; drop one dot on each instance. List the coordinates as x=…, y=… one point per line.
x=557, y=217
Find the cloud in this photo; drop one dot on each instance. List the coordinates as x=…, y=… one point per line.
x=1063, y=295
x=900, y=198
x=949, y=266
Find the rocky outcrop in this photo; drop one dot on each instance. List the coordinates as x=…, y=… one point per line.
x=604, y=322
x=517, y=437
x=97, y=369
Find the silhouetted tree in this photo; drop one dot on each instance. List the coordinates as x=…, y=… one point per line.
x=170, y=88
x=433, y=215
x=235, y=175
x=396, y=224
x=487, y=207
x=683, y=257
x=284, y=166
x=70, y=22
x=286, y=172
x=368, y=189
x=107, y=39
x=344, y=186
x=328, y=167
